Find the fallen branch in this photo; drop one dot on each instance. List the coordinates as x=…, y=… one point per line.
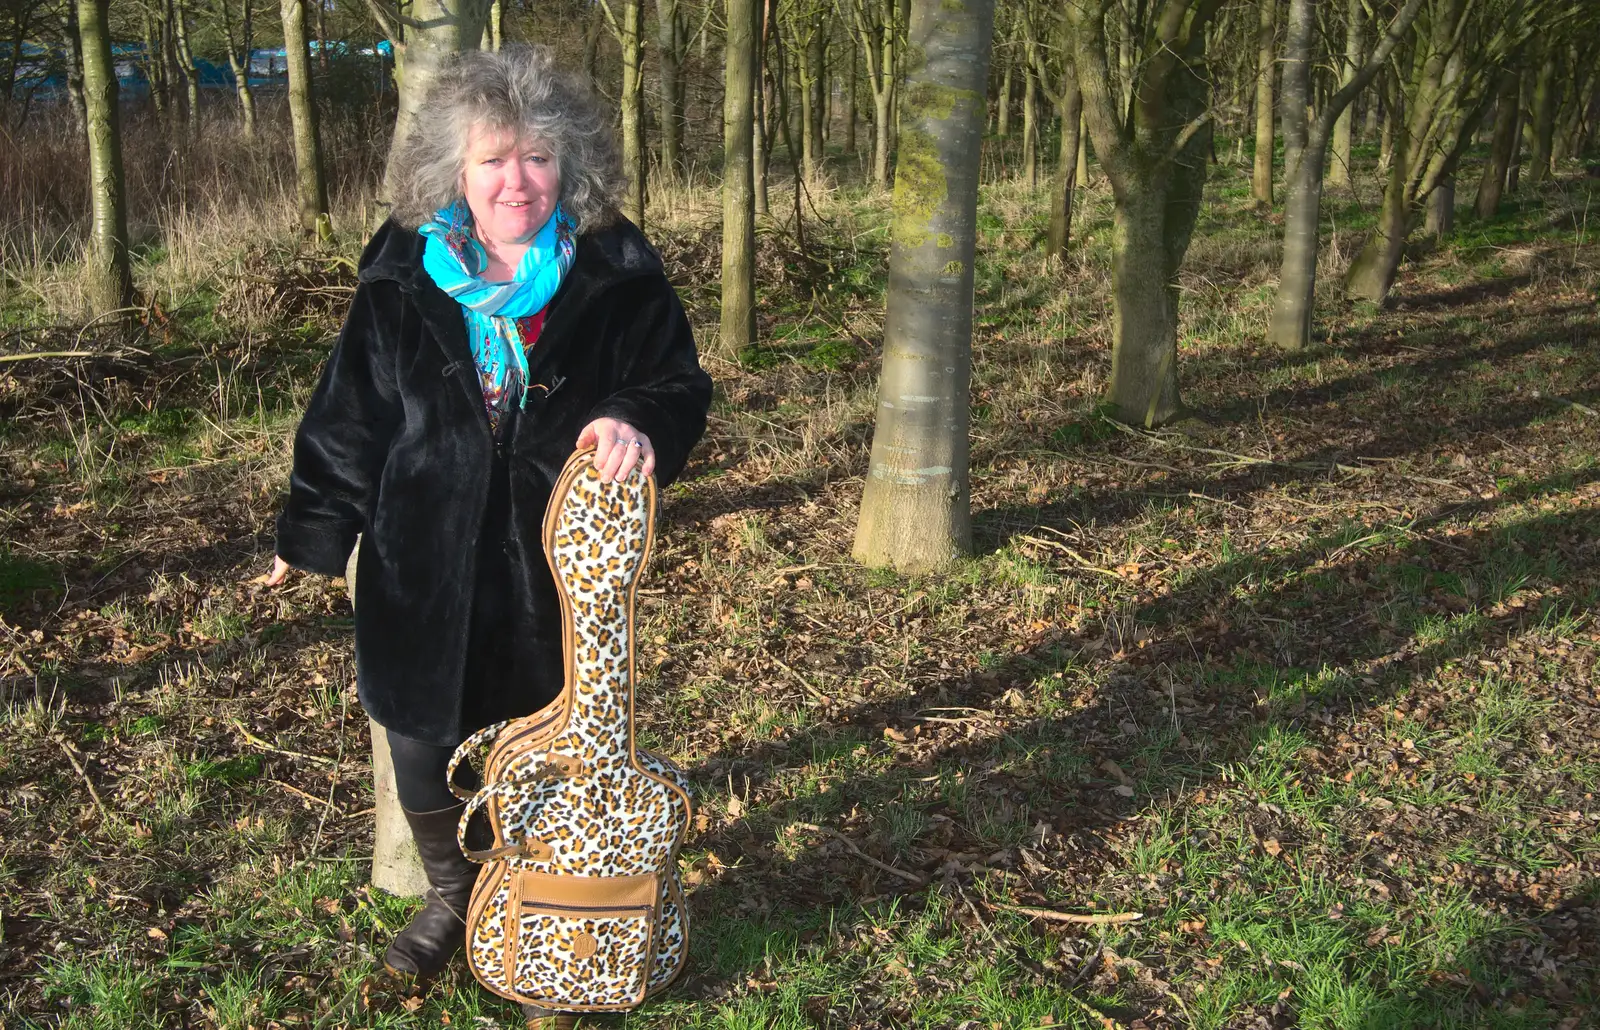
x=1092, y=918
x=66, y=749
x=1581, y=407
x=847, y=842
x=291, y=788
x=7, y=358
x=251, y=738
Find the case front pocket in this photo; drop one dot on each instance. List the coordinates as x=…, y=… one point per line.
x=584, y=942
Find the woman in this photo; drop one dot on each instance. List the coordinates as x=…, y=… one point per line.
x=504, y=315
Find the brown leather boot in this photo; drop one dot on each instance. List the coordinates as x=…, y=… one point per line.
x=543, y=1019
x=436, y=933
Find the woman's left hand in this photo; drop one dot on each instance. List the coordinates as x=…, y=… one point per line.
x=618, y=447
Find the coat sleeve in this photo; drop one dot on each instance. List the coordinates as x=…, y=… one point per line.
x=663, y=392
x=343, y=439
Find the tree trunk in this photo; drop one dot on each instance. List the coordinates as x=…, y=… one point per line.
x=738, y=183
x=441, y=28
x=809, y=62
x=1355, y=42
x=1545, y=94
x=853, y=108
x=1266, y=64
x=1441, y=220
x=239, y=61
x=1372, y=272
x=1144, y=348
x=191, y=72
x=670, y=45
x=916, y=506
x=631, y=39
x=1501, y=146
x=310, y=185
x=1081, y=178
x=497, y=26
x=1291, y=326
x=108, y=279
x=882, y=117
x=1297, y=83
x=1065, y=182
x=74, y=45
x=1030, y=126
x=1002, y=113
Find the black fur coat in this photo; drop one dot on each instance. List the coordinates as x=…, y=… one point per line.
x=457, y=621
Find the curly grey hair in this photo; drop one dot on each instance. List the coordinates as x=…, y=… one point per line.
x=517, y=90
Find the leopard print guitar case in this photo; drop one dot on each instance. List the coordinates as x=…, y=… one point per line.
x=579, y=905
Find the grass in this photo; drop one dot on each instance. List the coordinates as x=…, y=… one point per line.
x=1307, y=680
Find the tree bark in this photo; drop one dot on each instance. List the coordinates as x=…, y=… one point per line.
x=1266, y=65
x=1501, y=146
x=74, y=44
x=738, y=183
x=311, y=188
x=439, y=28
x=1156, y=160
x=1441, y=220
x=1297, y=82
x=1355, y=42
x=916, y=506
x=669, y=32
x=1030, y=126
x=108, y=278
x=239, y=60
x=1002, y=114
x=1066, y=179
x=631, y=38
x=1291, y=326
x=1545, y=94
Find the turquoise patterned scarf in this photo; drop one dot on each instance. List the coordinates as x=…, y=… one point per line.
x=497, y=313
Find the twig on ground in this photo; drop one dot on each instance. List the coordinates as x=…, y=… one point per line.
x=291, y=788
x=1082, y=562
x=251, y=738
x=848, y=843
x=1581, y=407
x=1090, y=918
x=8, y=358
x=66, y=749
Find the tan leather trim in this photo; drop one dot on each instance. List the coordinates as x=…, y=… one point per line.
x=513, y=934
x=639, y=891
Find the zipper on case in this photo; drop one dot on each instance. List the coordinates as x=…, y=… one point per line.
x=542, y=906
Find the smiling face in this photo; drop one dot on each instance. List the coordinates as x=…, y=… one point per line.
x=511, y=187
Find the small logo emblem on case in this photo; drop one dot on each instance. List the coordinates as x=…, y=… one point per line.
x=584, y=946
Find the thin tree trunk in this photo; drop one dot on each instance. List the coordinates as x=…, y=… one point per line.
x=1266, y=65
x=1291, y=323
x=916, y=506
x=1545, y=95
x=854, y=107
x=239, y=61
x=1441, y=219
x=670, y=46
x=74, y=45
x=738, y=183
x=1501, y=146
x=311, y=187
x=631, y=38
x=1372, y=272
x=1355, y=42
x=1065, y=183
x=191, y=74
x=108, y=278
x=1082, y=175
x=1030, y=126
x=1003, y=105
x=497, y=25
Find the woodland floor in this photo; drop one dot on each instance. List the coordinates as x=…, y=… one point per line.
x=1307, y=679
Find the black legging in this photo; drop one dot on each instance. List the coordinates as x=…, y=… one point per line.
x=419, y=771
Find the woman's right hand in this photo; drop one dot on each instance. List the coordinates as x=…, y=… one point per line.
x=280, y=572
